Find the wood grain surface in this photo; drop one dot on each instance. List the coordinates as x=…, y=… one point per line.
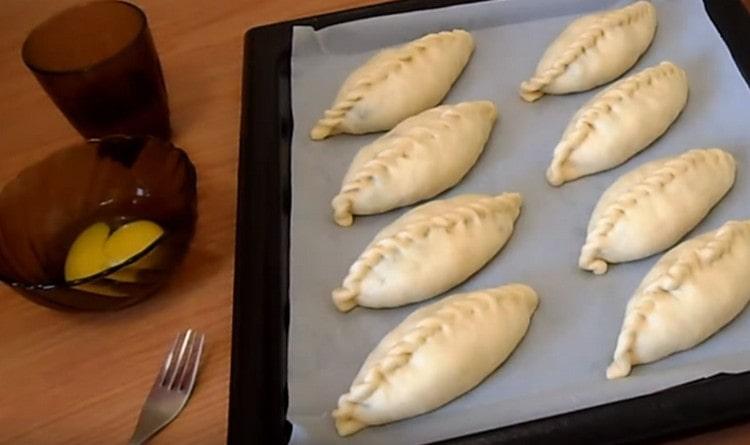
x=80, y=378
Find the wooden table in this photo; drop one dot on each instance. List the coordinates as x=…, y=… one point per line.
x=80, y=378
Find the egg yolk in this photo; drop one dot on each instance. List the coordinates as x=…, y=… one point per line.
x=97, y=248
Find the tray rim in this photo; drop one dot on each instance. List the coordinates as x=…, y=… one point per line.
x=258, y=398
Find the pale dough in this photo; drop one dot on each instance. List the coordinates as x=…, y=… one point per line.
x=436, y=354
x=692, y=292
x=652, y=207
x=429, y=250
x=619, y=122
x=593, y=50
x=421, y=157
x=397, y=83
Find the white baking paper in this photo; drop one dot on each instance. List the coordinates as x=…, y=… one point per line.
x=560, y=365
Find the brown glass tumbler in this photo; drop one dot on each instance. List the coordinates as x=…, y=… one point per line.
x=98, y=64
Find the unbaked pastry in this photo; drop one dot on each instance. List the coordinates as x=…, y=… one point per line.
x=436, y=354
x=421, y=157
x=593, y=50
x=691, y=293
x=650, y=208
x=619, y=122
x=429, y=250
x=397, y=83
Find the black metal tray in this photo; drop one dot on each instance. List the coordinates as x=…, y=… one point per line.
x=258, y=386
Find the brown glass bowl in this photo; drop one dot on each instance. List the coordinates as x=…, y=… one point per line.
x=114, y=180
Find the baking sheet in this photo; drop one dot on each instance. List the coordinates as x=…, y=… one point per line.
x=559, y=366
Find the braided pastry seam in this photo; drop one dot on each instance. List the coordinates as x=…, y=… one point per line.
x=379, y=167
x=658, y=179
x=334, y=116
x=345, y=296
x=585, y=123
x=400, y=354
x=713, y=249
x=531, y=89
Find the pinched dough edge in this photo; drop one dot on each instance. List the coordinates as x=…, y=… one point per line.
x=401, y=353
x=345, y=297
x=328, y=125
x=531, y=89
x=381, y=166
x=657, y=180
x=662, y=287
x=585, y=124
x=703, y=256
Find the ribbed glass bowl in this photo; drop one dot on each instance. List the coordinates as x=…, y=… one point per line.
x=114, y=180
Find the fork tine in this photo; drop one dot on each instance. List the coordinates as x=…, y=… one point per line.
x=176, y=363
x=185, y=365
x=191, y=369
x=183, y=357
x=169, y=359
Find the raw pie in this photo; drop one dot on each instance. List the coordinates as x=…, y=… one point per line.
x=429, y=250
x=397, y=83
x=593, y=50
x=650, y=208
x=421, y=157
x=436, y=354
x=619, y=122
x=691, y=293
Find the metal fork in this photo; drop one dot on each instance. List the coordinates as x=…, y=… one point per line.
x=172, y=387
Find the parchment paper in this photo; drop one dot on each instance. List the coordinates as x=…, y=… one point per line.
x=560, y=365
